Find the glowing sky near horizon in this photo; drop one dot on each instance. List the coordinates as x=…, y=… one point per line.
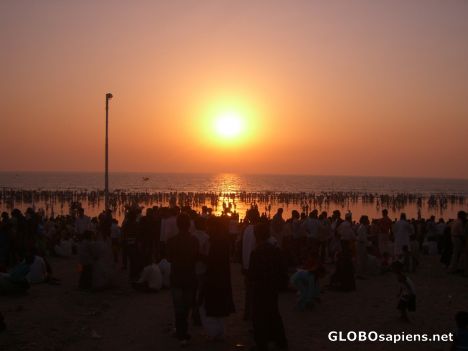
x=321, y=87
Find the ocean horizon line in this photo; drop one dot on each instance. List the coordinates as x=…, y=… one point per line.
x=232, y=173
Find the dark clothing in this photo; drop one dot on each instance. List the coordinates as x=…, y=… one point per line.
x=343, y=278
x=182, y=253
x=149, y=236
x=217, y=290
x=131, y=231
x=4, y=248
x=105, y=224
x=446, y=247
x=182, y=299
x=407, y=304
x=86, y=277
x=265, y=274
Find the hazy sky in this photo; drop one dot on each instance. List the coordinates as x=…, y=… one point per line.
x=325, y=87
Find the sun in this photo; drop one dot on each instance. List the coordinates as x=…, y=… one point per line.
x=229, y=125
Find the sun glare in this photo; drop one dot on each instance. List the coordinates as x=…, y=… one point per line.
x=229, y=125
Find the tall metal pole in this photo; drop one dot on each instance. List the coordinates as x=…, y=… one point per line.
x=106, y=175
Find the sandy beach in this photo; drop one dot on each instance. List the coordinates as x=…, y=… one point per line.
x=63, y=318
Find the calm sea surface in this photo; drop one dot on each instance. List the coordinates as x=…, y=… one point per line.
x=230, y=182
x=224, y=183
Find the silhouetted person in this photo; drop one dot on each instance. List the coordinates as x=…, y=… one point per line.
x=131, y=232
x=265, y=272
x=182, y=253
x=217, y=290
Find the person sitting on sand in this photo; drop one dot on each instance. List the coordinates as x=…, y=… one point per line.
x=63, y=248
x=15, y=282
x=37, y=271
x=306, y=281
x=150, y=278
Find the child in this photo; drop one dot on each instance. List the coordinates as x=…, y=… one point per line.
x=460, y=341
x=407, y=294
x=306, y=281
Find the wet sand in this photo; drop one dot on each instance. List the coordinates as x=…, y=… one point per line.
x=64, y=318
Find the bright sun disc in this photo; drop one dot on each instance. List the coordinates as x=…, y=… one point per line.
x=229, y=125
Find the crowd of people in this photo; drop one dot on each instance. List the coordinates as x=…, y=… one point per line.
x=191, y=253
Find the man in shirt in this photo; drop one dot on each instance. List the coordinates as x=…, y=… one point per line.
x=385, y=231
x=402, y=231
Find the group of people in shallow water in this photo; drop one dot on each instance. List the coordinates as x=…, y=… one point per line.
x=53, y=202
x=191, y=253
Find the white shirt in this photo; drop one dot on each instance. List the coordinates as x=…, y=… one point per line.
x=37, y=271
x=151, y=274
x=248, y=245
x=402, y=232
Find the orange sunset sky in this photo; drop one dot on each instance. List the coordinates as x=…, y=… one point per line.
x=319, y=87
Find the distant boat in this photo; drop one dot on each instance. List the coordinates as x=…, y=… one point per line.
x=145, y=179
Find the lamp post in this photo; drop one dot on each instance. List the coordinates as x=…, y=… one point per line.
x=106, y=175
